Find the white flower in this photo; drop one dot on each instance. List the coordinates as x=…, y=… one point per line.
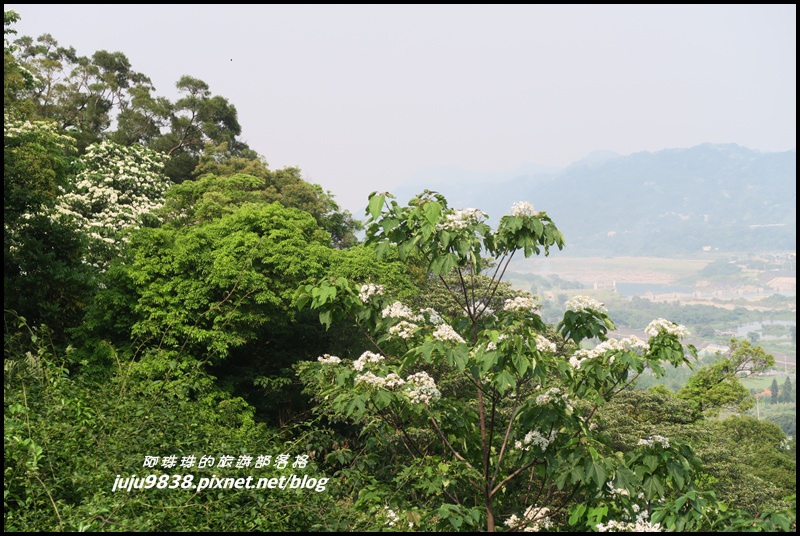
x=327, y=358
x=523, y=208
x=544, y=344
x=653, y=439
x=460, y=219
x=369, y=290
x=403, y=329
x=554, y=394
x=581, y=303
x=661, y=324
x=521, y=304
x=391, y=516
x=422, y=388
x=433, y=316
x=444, y=332
x=366, y=357
x=536, y=518
x=390, y=381
x=398, y=310
x=537, y=439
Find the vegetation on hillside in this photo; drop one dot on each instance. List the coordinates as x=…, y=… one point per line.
x=196, y=342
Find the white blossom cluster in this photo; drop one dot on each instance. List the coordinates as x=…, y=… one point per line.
x=653, y=439
x=615, y=492
x=537, y=439
x=366, y=357
x=661, y=324
x=330, y=359
x=582, y=303
x=390, y=381
x=536, y=519
x=422, y=389
x=544, y=344
x=445, y=332
x=491, y=345
x=460, y=219
x=523, y=208
x=433, y=316
x=640, y=524
x=628, y=344
x=116, y=188
x=399, y=311
x=403, y=329
x=576, y=359
x=368, y=290
x=554, y=394
x=14, y=129
x=392, y=518
x=521, y=304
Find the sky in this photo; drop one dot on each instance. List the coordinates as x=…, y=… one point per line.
x=372, y=98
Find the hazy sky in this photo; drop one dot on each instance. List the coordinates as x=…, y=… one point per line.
x=365, y=98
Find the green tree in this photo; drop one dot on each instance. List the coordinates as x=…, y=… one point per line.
x=484, y=415
x=744, y=460
x=787, y=395
x=240, y=181
x=102, y=97
x=196, y=119
x=45, y=278
x=773, y=399
x=69, y=439
x=716, y=387
x=16, y=79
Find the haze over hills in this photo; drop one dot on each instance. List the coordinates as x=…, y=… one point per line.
x=670, y=202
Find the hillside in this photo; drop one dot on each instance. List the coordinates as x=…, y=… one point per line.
x=669, y=202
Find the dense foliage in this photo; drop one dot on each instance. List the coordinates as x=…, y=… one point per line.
x=170, y=299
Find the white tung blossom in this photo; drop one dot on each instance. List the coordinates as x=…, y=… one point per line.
x=390, y=381
x=433, y=316
x=543, y=344
x=536, y=519
x=661, y=324
x=445, y=332
x=521, y=304
x=523, y=208
x=582, y=303
x=391, y=516
x=653, y=439
x=460, y=219
x=614, y=492
x=368, y=290
x=642, y=523
x=422, y=389
x=628, y=344
x=399, y=311
x=552, y=395
x=116, y=188
x=403, y=329
x=366, y=357
x=327, y=358
x=537, y=439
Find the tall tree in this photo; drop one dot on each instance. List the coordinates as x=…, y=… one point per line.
x=787, y=393
x=716, y=387
x=773, y=399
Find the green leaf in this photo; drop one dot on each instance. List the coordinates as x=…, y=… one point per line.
x=375, y=206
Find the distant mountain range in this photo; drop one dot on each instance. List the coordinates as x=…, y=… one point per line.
x=671, y=202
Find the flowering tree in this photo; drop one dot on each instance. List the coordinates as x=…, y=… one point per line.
x=116, y=190
x=488, y=415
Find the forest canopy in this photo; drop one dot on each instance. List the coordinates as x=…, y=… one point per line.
x=196, y=342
